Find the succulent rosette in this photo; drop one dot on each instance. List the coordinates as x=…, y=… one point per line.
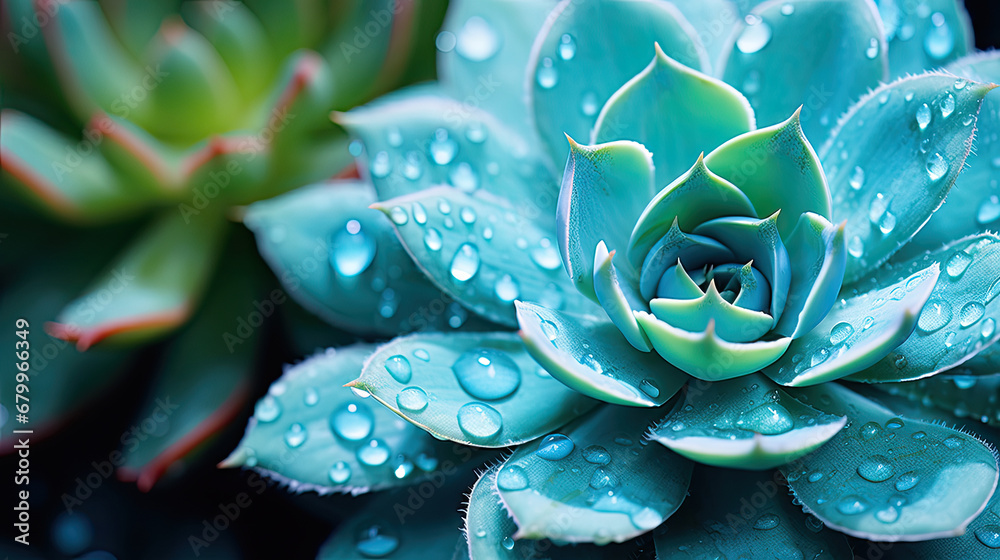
x=700, y=295
x=132, y=132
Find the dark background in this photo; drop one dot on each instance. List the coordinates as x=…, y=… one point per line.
x=157, y=524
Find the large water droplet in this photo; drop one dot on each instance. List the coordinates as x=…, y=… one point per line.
x=857, y=179
x=547, y=76
x=649, y=387
x=352, y=421
x=487, y=374
x=479, y=421
x=887, y=223
x=768, y=419
x=923, y=116
x=936, y=166
x=380, y=165
x=465, y=263
x=957, y=264
x=971, y=313
x=419, y=213
x=555, y=447
x=442, y=148
x=856, y=247
x=876, y=469
x=989, y=535
x=512, y=478
x=947, y=105
x=567, y=47
x=953, y=442
x=296, y=435
x=507, y=289
x=989, y=210
x=766, y=522
x=841, y=332
x=603, y=479
x=352, y=250
x=477, y=40
x=340, y=472
x=852, y=505
x=399, y=368
x=907, y=481
x=267, y=409
x=412, y=399
x=869, y=431
x=935, y=315
x=596, y=454
x=755, y=37
x=988, y=328
x=546, y=255
x=376, y=542
x=939, y=41
x=432, y=239
x=373, y=453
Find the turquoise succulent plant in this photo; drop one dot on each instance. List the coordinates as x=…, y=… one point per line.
x=153, y=123
x=702, y=305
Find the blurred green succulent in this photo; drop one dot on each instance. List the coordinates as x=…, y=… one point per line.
x=745, y=296
x=154, y=122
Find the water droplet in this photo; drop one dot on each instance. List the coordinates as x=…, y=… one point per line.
x=958, y=263
x=412, y=166
x=352, y=250
x=989, y=535
x=479, y=421
x=507, y=289
x=873, y=47
x=477, y=40
x=464, y=178
x=894, y=423
x=649, y=387
x=555, y=447
x=399, y=368
x=787, y=9
x=970, y=313
x=487, y=374
x=603, y=479
x=936, y=166
x=352, y=421
x=856, y=247
x=939, y=41
x=512, y=478
x=432, y=239
x=964, y=381
x=468, y=215
x=546, y=255
x=755, y=37
x=567, y=47
x=267, y=409
x=989, y=210
x=935, y=315
x=870, y=431
x=296, y=435
x=923, y=116
x=947, y=105
x=376, y=542
x=751, y=83
x=768, y=419
x=815, y=477
x=442, y=148
x=355, y=148
x=989, y=327
x=340, y=472
x=888, y=514
x=590, y=361
x=445, y=41
x=547, y=76
x=412, y=399
x=596, y=454
x=380, y=165
x=766, y=522
x=900, y=362
x=841, y=332
x=487, y=233
x=819, y=357
x=311, y=397
x=907, y=481
x=887, y=223
x=427, y=463
x=876, y=468
x=852, y=505
x=953, y=442
x=589, y=104
x=857, y=179
x=465, y=263
x=374, y=453
x=402, y=467
x=507, y=543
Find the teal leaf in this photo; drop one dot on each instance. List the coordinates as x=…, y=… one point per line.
x=594, y=358
x=817, y=255
x=618, y=299
x=564, y=93
x=483, y=49
x=675, y=246
x=713, y=20
x=959, y=318
x=490, y=531
x=604, y=191
x=342, y=261
x=745, y=423
x=155, y=284
x=477, y=389
x=695, y=197
x=960, y=391
x=313, y=434
x=395, y=525
x=206, y=378
x=924, y=35
x=78, y=188
x=599, y=473
x=675, y=112
x=719, y=522
x=732, y=323
x=970, y=208
x=416, y=139
x=859, y=331
x=757, y=241
x=840, y=42
x=777, y=155
x=706, y=355
x=482, y=251
x=896, y=480
x=893, y=158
